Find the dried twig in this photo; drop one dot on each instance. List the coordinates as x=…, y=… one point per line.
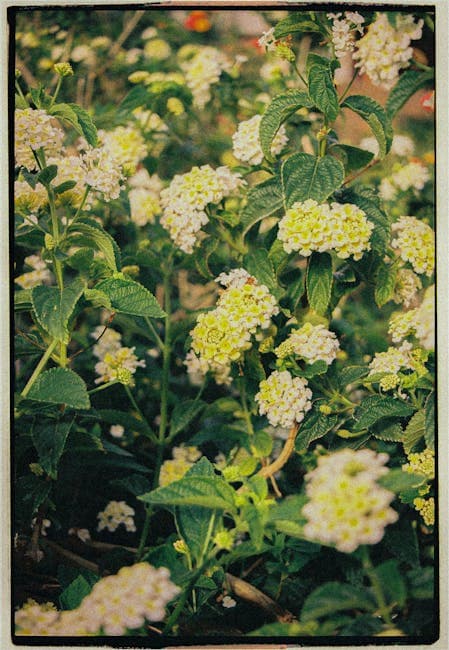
x=73, y=557
x=249, y=593
x=283, y=457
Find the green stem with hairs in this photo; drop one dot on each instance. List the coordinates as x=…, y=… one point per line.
x=376, y=585
x=40, y=366
x=246, y=413
x=348, y=87
x=157, y=338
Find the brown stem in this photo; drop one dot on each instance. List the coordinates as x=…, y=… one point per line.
x=106, y=547
x=283, y=457
x=244, y=590
x=73, y=557
x=355, y=175
x=26, y=72
x=127, y=29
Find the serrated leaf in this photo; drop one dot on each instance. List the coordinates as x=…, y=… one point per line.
x=391, y=433
x=97, y=298
x=316, y=368
x=137, y=96
x=194, y=524
x=392, y=582
x=53, y=307
x=376, y=407
x=276, y=113
x=135, y=484
x=66, y=112
x=183, y=414
x=378, y=120
x=402, y=541
x=335, y=597
x=353, y=158
x=22, y=299
x=60, y=386
x=304, y=176
x=421, y=583
x=414, y=431
x=204, y=491
x=47, y=175
x=130, y=297
x=314, y=426
x=289, y=509
x=278, y=256
x=64, y=187
x=49, y=440
x=408, y=83
x=29, y=177
x=319, y=281
x=322, y=91
x=385, y=283
x=261, y=444
x=202, y=255
x=293, y=24
x=262, y=201
x=351, y=374
x=88, y=128
x=92, y=233
x=430, y=421
x=74, y=594
x=258, y=264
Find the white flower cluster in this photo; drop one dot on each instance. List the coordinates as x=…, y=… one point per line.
x=419, y=322
x=174, y=469
x=144, y=197
x=414, y=176
x=184, y=201
x=346, y=506
x=125, y=145
x=384, y=50
x=235, y=278
x=28, y=200
x=284, y=399
x=203, y=70
x=246, y=143
x=116, y=513
x=39, y=275
x=312, y=343
x=103, y=173
x=391, y=361
x=116, y=604
x=221, y=336
x=415, y=243
x=115, y=361
x=401, y=145
x=33, y=130
x=309, y=226
x=343, y=37
x=267, y=40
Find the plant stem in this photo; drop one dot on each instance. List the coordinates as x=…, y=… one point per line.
x=102, y=387
x=57, y=89
x=299, y=74
x=246, y=413
x=283, y=457
x=40, y=366
x=136, y=407
x=348, y=87
x=376, y=585
x=19, y=92
x=156, y=336
x=144, y=534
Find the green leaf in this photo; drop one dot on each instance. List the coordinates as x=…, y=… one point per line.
x=47, y=175
x=202, y=255
x=353, y=158
x=391, y=433
x=385, y=283
x=421, y=583
x=205, y=491
x=53, y=307
x=135, y=484
x=336, y=597
x=304, y=176
x=66, y=112
x=130, y=297
x=73, y=595
x=295, y=23
x=137, y=96
x=392, y=582
x=97, y=298
x=258, y=264
x=409, y=82
x=319, y=281
x=31, y=491
x=376, y=407
x=92, y=234
x=193, y=524
x=378, y=120
x=49, y=440
x=322, y=91
x=314, y=426
x=402, y=541
x=414, y=431
x=20, y=102
x=87, y=126
x=255, y=520
x=64, y=187
x=261, y=444
x=22, y=299
x=60, y=386
x=312, y=369
x=351, y=375
x=276, y=113
x=183, y=414
x=262, y=201
x=29, y=177
x=128, y=421
x=397, y=480
x=429, y=435
x=278, y=256
x=289, y=509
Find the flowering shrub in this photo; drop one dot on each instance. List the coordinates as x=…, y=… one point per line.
x=224, y=293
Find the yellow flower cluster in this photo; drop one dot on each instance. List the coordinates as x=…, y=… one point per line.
x=116, y=604
x=406, y=287
x=115, y=361
x=391, y=362
x=415, y=243
x=414, y=176
x=311, y=342
x=116, y=513
x=71, y=168
x=125, y=144
x=421, y=463
x=222, y=335
x=419, y=322
x=347, y=507
x=28, y=200
x=426, y=508
x=309, y=226
x=202, y=69
x=39, y=275
x=284, y=399
x=33, y=130
x=144, y=197
x=246, y=144
x=182, y=461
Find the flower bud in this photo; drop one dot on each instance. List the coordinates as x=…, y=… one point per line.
x=63, y=69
